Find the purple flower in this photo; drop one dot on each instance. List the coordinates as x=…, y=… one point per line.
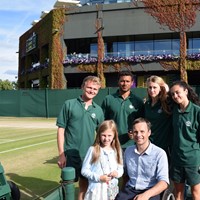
x=77, y=59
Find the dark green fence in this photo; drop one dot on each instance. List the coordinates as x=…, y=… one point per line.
x=45, y=103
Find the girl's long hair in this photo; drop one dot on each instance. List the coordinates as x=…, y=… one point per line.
x=107, y=124
x=192, y=95
x=163, y=95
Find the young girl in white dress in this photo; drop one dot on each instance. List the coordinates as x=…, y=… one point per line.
x=103, y=164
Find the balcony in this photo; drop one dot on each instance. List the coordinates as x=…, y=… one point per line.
x=35, y=67
x=132, y=57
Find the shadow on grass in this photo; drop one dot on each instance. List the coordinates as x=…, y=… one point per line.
x=52, y=160
x=31, y=188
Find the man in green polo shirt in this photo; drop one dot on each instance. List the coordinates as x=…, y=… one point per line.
x=77, y=123
x=123, y=107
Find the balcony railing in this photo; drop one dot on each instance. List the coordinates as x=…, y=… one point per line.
x=130, y=56
x=116, y=57
x=35, y=67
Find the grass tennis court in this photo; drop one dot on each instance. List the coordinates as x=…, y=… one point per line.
x=28, y=153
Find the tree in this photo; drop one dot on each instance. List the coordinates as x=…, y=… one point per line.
x=100, y=45
x=178, y=16
x=7, y=85
x=99, y=66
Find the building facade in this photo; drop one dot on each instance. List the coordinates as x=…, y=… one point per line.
x=62, y=48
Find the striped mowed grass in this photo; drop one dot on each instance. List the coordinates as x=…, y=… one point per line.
x=28, y=153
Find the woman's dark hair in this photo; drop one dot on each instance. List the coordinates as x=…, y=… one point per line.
x=192, y=95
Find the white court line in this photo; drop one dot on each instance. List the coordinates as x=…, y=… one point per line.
x=5, y=140
x=24, y=138
x=24, y=147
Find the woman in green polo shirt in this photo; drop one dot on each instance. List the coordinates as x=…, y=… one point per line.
x=158, y=112
x=186, y=140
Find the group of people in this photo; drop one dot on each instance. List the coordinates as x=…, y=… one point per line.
x=142, y=142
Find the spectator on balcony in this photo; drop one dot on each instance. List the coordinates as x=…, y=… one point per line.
x=77, y=124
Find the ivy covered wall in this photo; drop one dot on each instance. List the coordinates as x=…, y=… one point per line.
x=48, y=53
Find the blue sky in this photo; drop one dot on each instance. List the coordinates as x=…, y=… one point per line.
x=16, y=17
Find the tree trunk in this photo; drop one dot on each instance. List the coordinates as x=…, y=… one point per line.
x=100, y=71
x=183, y=54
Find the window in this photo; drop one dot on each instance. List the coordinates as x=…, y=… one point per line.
x=94, y=49
x=162, y=47
x=194, y=45
x=143, y=47
x=123, y=49
x=175, y=46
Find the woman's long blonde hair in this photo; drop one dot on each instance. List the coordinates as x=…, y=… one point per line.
x=107, y=124
x=163, y=95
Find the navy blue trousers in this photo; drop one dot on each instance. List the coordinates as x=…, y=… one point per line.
x=129, y=193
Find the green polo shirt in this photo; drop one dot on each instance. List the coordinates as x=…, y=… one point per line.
x=186, y=140
x=123, y=112
x=80, y=125
x=161, y=125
